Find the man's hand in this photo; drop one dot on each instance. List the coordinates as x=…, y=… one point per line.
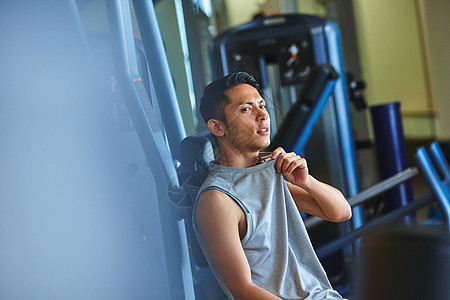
x=293, y=167
x=309, y=194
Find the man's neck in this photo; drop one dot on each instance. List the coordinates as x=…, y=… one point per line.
x=231, y=157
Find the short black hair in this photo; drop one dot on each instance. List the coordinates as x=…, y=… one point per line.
x=214, y=100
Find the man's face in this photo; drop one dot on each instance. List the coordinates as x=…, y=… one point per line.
x=248, y=126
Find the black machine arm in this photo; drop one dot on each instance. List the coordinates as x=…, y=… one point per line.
x=304, y=114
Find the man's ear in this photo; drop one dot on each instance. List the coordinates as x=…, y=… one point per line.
x=216, y=127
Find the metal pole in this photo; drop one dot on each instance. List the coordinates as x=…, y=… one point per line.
x=371, y=192
x=439, y=160
x=174, y=243
x=374, y=225
x=343, y=117
x=161, y=76
x=439, y=188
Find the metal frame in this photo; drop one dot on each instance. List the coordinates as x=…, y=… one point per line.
x=152, y=136
x=439, y=184
x=305, y=113
x=341, y=102
x=374, y=225
x=161, y=76
x=371, y=192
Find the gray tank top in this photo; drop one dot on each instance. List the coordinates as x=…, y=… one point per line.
x=277, y=246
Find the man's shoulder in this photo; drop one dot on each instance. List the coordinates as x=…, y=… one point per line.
x=213, y=196
x=216, y=177
x=213, y=193
x=214, y=203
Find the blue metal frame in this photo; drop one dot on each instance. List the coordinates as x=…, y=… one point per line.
x=380, y=222
x=161, y=76
x=440, y=161
x=439, y=184
x=439, y=187
x=305, y=113
x=371, y=192
x=306, y=133
x=341, y=100
x=153, y=138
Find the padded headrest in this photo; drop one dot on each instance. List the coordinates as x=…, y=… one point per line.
x=196, y=154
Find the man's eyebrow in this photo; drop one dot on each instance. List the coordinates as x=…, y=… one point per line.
x=251, y=102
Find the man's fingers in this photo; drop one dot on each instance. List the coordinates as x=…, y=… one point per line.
x=281, y=163
x=296, y=162
x=291, y=163
x=277, y=152
x=288, y=162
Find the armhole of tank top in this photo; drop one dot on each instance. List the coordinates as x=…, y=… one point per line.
x=248, y=216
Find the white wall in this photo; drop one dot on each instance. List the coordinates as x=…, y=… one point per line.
x=436, y=24
x=239, y=11
x=393, y=61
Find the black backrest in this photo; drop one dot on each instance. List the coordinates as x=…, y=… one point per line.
x=196, y=154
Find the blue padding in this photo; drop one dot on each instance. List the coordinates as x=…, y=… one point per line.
x=391, y=151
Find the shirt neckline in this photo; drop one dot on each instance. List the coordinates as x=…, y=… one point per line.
x=264, y=164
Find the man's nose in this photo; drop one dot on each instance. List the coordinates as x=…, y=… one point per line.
x=262, y=114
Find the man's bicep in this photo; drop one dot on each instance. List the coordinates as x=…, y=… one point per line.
x=217, y=218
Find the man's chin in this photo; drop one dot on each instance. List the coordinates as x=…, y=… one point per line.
x=265, y=145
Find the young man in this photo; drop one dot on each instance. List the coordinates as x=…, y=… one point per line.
x=246, y=215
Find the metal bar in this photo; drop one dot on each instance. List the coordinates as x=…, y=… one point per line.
x=372, y=191
x=375, y=225
x=439, y=188
x=383, y=186
x=341, y=101
x=268, y=91
x=306, y=133
x=161, y=76
x=304, y=114
x=153, y=144
x=135, y=95
x=439, y=160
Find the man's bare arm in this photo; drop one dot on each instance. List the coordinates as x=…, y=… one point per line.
x=311, y=195
x=219, y=220
x=321, y=200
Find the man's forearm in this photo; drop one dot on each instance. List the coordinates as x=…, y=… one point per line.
x=330, y=200
x=253, y=292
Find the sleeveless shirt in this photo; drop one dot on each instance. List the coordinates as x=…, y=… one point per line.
x=277, y=246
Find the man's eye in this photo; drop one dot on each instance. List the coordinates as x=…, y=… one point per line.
x=264, y=107
x=246, y=109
